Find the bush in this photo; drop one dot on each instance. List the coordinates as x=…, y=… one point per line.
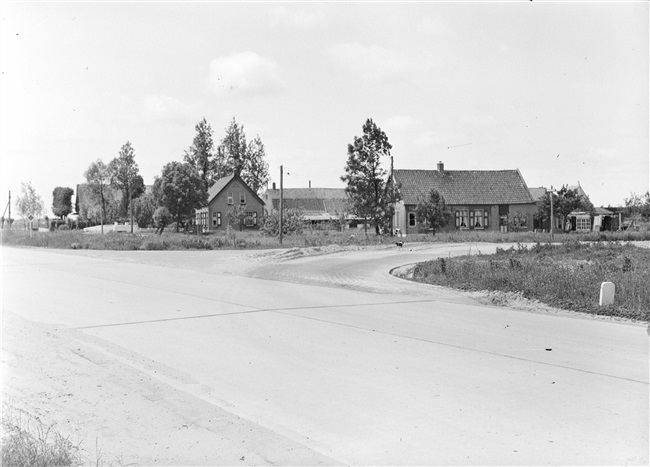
x=293, y=222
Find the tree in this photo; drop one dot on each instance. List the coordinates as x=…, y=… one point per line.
x=237, y=216
x=366, y=179
x=161, y=217
x=179, y=189
x=236, y=156
x=564, y=202
x=98, y=176
x=518, y=220
x=62, y=201
x=256, y=173
x=432, y=212
x=637, y=207
x=201, y=154
x=28, y=202
x=124, y=176
x=144, y=208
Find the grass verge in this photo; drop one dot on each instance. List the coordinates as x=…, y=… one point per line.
x=75, y=239
x=566, y=276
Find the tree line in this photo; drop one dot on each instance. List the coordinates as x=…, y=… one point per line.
x=117, y=191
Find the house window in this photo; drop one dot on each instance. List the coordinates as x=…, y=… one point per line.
x=242, y=198
x=230, y=198
x=218, y=219
x=462, y=219
x=583, y=223
x=411, y=219
x=478, y=221
x=251, y=219
x=214, y=218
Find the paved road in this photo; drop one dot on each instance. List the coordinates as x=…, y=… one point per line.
x=317, y=360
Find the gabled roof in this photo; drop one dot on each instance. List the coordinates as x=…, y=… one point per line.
x=537, y=193
x=218, y=186
x=464, y=186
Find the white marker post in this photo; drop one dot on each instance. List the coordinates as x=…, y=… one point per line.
x=607, y=290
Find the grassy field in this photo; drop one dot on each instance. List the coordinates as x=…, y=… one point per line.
x=566, y=276
x=76, y=239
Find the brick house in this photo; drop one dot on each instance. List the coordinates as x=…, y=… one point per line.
x=226, y=195
x=495, y=200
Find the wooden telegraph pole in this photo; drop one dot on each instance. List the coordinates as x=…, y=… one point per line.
x=281, y=196
x=552, y=219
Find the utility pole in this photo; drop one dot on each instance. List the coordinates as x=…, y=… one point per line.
x=5, y=211
x=392, y=198
x=131, y=204
x=281, y=199
x=552, y=219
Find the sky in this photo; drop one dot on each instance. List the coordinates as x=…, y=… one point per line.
x=558, y=90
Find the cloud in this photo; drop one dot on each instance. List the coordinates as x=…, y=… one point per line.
x=244, y=73
x=372, y=62
x=164, y=109
x=301, y=19
x=432, y=26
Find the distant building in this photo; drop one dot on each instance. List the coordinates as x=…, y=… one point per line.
x=316, y=204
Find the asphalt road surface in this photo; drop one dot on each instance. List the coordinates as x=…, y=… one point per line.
x=206, y=358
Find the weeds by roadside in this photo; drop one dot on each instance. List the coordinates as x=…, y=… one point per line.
x=27, y=442
x=565, y=276
x=74, y=239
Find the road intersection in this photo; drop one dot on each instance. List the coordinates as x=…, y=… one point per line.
x=239, y=358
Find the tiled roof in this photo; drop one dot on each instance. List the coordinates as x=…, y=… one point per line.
x=464, y=186
x=312, y=201
x=537, y=193
x=219, y=185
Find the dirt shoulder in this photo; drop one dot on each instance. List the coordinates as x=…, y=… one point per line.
x=110, y=402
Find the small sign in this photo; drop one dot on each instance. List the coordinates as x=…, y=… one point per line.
x=30, y=217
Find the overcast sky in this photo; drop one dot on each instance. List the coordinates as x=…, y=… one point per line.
x=557, y=90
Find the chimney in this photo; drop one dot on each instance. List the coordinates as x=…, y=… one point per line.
x=274, y=185
x=441, y=167
x=309, y=183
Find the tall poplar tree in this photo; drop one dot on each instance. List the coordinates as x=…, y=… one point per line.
x=365, y=177
x=201, y=156
x=247, y=159
x=124, y=175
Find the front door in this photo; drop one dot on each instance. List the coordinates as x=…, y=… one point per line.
x=504, y=210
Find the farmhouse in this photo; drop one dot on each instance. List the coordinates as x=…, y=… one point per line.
x=230, y=195
x=497, y=200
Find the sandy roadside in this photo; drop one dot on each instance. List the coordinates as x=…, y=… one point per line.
x=87, y=388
